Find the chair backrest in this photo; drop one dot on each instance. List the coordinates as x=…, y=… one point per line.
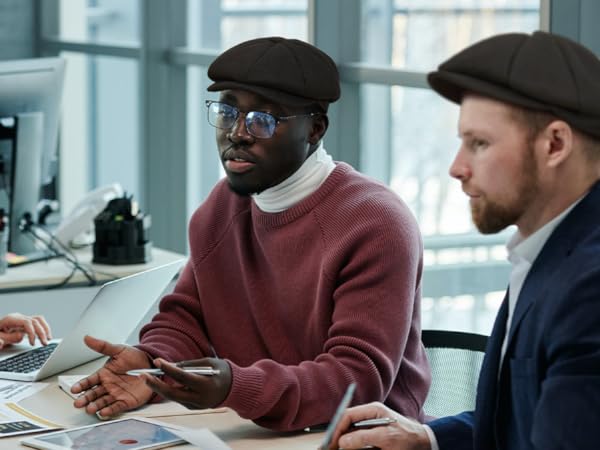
x=455, y=358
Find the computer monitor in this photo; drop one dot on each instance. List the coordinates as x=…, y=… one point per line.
x=30, y=96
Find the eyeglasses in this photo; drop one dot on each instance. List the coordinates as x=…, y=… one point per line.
x=259, y=124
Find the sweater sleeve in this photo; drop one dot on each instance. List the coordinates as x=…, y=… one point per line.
x=177, y=333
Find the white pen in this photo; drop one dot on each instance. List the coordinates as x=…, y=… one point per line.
x=371, y=423
x=199, y=370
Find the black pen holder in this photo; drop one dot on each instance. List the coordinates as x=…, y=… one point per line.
x=122, y=234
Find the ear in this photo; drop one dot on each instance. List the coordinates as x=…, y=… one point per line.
x=319, y=126
x=556, y=141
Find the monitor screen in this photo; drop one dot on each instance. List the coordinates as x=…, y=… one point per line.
x=30, y=96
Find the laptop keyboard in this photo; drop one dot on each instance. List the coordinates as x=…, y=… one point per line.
x=28, y=361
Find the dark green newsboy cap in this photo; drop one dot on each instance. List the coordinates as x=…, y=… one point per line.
x=541, y=71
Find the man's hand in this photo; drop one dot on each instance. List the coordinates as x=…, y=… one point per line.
x=15, y=326
x=109, y=391
x=405, y=434
x=192, y=390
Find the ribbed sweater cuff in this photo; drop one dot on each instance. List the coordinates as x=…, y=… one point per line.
x=247, y=390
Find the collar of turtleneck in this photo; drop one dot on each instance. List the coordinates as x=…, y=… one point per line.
x=306, y=180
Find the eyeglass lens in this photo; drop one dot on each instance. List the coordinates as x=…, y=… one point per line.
x=258, y=124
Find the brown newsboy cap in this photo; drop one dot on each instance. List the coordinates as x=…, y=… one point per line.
x=286, y=71
x=540, y=71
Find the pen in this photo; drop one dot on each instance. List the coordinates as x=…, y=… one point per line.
x=200, y=370
x=337, y=416
x=371, y=423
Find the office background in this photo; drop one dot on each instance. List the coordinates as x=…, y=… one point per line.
x=133, y=107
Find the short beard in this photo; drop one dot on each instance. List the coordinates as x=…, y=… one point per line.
x=493, y=217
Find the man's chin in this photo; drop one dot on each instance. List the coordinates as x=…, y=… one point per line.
x=489, y=225
x=242, y=191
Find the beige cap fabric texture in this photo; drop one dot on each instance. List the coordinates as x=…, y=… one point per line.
x=540, y=71
x=287, y=71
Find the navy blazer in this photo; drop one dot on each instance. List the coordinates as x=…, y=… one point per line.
x=546, y=394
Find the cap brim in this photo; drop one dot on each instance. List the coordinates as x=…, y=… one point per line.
x=453, y=87
x=269, y=94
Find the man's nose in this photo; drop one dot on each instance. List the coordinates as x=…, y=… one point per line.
x=239, y=130
x=460, y=168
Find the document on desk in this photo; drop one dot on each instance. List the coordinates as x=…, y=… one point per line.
x=15, y=391
x=202, y=438
x=14, y=420
x=168, y=409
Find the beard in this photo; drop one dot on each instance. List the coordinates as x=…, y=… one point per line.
x=493, y=216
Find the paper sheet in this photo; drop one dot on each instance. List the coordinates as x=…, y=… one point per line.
x=15, y=391
x=203, y=438
x=166, y=409
x=15, y=419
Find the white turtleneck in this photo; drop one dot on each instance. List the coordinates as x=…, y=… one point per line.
x=303, y=182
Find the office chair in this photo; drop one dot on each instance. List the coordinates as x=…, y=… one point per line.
x=455, y=359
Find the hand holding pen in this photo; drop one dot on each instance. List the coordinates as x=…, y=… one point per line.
x=206, y=388
x=374, y=425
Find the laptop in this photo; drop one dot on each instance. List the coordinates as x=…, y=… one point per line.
x=112, y=315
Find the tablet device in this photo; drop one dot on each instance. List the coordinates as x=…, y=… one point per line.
x=124, y=434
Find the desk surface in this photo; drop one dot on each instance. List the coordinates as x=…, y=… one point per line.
x=51, y=272
x=240, y=434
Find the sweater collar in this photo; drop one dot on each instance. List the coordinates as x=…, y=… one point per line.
x=303, y=207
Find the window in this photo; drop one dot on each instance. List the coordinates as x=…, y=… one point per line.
x=408, y=140
x=134, y=112
x=100, y=21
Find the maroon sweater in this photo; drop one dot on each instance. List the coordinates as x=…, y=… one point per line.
x=302, y=302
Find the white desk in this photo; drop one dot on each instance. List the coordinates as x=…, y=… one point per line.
x=62, y=307
x=238, y=433
x=44, y=274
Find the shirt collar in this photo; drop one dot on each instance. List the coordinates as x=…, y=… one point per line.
x=527, y=249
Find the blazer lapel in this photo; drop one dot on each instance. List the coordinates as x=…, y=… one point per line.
x=574, y=228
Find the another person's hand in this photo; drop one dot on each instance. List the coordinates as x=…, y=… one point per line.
x=192, y=390
x=14, y=327
x=109, y=391
x=405, y=434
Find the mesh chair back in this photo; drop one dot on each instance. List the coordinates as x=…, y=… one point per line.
x=455, y=359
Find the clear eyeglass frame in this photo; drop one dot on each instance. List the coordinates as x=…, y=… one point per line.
x=259, y=124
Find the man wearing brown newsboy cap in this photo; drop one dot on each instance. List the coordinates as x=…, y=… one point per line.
x=304, y=275
x=529, y=156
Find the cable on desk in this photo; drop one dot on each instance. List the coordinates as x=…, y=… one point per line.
x=63, y=252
